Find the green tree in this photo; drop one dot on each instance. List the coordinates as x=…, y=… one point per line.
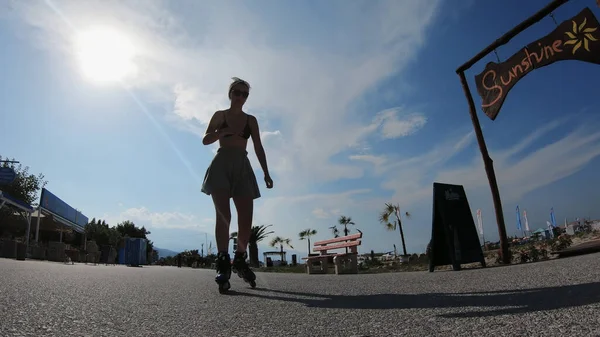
x=188, y=257
x=279, y=241
x=101, y=233
x=25, y=187
x=345, y=221
x=129, y=229
x=384, y=218
x=335, y=231
x=306, y=234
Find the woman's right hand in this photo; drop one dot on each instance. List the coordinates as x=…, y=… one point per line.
x=268, y=181
x=225, y=132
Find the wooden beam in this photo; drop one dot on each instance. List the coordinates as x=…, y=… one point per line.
x=542, y=13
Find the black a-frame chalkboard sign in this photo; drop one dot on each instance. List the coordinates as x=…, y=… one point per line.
x=454, y=238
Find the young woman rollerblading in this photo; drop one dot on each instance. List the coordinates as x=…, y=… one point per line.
x=230, y=176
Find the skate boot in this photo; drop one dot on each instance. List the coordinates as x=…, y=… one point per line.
x=241, y=268
x=223, y=272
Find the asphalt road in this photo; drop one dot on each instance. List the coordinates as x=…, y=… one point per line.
x=553, y=298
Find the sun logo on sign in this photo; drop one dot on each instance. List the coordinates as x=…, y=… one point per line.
x=581, y=36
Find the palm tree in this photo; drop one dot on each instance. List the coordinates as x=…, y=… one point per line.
x=257, y=234
x=281, y=241
x=384, y=218
x=306, y=234
x=345, y=221
x=335, y=231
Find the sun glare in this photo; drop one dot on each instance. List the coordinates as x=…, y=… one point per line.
x=105, y=55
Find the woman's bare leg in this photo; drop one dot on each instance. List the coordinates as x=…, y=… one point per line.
x=245, y=208
x=223, y=219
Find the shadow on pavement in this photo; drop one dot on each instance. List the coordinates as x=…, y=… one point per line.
x=505, y=302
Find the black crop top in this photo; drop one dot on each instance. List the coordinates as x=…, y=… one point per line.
x=245, y=134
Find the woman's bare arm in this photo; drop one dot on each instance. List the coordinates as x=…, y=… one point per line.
x=258, y=147
x=212, y=133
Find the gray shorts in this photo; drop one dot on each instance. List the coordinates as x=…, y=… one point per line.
x=230, y=170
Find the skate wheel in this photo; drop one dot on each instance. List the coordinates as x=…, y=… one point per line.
x=223, y=287
x=253, y=284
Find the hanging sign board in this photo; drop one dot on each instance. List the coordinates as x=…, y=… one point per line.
x=575, y=39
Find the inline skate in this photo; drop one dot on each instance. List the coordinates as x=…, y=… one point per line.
x=242, y=269
x=223, y=272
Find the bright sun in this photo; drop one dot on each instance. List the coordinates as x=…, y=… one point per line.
x=105, y=55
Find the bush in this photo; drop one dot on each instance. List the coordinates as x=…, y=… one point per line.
x=499, y=256
x=534, y=253
x=563, y=241
x=524, y=256
x=543, y=248
x=373, y=262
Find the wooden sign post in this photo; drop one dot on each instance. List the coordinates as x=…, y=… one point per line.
x=580, y=42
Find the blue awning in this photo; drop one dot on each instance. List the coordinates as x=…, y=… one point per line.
x=5, y=197
x=62, y=220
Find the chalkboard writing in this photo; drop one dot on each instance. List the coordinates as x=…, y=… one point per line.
x=575, y=39
x=454, y=238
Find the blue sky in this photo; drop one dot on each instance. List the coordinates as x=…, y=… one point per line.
x=358, y=104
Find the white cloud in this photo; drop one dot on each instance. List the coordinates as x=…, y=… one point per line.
x=394, y=127
x=186, y=108
x=267, y=135
x=321, y=213
x=188, y=59
x=142, y=216
x=536, y=169
x=291, y=213
x=411, y=179
x=314, y=204
x=369, y=158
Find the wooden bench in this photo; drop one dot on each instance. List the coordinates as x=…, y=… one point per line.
x=344, y=262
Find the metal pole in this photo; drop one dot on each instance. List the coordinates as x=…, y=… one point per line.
x=28, y=231
x=489, y=169
x=37, y=228
x=482, y=233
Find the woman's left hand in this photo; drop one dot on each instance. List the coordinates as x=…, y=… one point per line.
x=268, y=181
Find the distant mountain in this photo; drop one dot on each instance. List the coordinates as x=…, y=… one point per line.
x=165, y=252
